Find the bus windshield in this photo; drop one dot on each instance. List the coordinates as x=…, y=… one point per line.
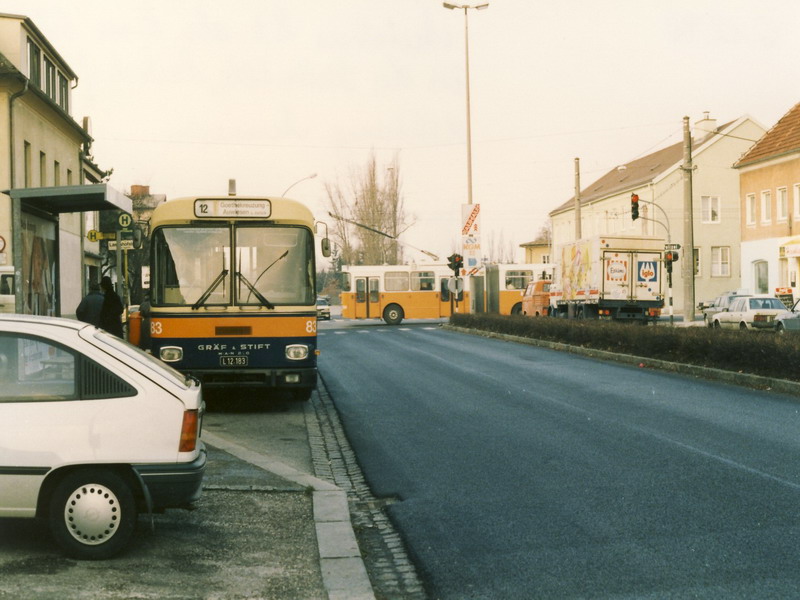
x=243, y=264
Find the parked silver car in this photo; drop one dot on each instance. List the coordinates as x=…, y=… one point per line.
x=751, y=312
x=717, y=305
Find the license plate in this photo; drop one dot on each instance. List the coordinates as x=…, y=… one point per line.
x=233, y=361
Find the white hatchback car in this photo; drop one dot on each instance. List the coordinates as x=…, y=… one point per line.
x=93, y=431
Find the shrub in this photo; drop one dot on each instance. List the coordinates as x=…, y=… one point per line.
x=758, y=353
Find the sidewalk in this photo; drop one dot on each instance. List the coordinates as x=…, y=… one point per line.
x=234, y=467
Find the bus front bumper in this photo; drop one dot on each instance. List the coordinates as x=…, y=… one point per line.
x=299, y=379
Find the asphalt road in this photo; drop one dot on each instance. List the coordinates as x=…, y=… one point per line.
x=529, y=473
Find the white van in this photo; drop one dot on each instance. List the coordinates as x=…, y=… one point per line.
x=7, y=290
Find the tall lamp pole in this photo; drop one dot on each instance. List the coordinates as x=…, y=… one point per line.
x=465, y=8
x=298, y=181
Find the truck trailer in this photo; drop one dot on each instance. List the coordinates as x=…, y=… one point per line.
x=609, y=277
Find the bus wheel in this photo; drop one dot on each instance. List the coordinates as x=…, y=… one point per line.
x=393, y=314
x=517, y=309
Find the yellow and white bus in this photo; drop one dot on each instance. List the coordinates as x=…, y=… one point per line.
x=397, y=292
x=232, y=291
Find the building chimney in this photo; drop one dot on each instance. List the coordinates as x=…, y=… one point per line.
x=704, y=127
x=140, y=190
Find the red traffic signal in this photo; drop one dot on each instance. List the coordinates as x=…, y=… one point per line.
x=634, y=206
x=670, y=256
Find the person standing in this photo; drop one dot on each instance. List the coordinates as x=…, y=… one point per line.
x=91, y=306
x=111, y=311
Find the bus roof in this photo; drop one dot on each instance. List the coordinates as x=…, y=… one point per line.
x=241, y=208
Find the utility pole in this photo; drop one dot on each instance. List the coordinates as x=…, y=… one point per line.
x=688, y=226
x=578, y=233
x=577, y=199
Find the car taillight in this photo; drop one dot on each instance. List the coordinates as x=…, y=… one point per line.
x=188, y=431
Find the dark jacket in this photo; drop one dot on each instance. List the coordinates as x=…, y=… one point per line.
x=110, y=314
x=90, y=308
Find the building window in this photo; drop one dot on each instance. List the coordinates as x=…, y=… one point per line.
x=63, y=92
x=797, y=200
x=766, y=206
x=69, y=176
x=56, y=173
x=720, y=261
x=750, y=208
x=696, y=256
x=710, y=209
x=49, y=78
x=783, y=204
x=34, y=63
x=42, y=169
x=545, y=259
x=27, y=166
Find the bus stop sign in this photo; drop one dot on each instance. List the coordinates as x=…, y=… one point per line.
x=455, y=285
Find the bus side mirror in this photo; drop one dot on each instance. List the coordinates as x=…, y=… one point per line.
x=325, y=244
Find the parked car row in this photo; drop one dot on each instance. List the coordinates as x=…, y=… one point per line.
x=738, y=310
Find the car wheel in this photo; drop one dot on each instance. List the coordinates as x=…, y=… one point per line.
x=779, y=328
x=517, y=309
x=92, y=514
x=742, y=326
x=393, y=314
x=717, y=325
x=708, y=323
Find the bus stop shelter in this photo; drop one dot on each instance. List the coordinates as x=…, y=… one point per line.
x=36, y=251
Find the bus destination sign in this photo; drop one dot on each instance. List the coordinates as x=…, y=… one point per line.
x=231, y=208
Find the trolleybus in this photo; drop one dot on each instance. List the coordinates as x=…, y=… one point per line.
x=232, y=291
x=397, y=292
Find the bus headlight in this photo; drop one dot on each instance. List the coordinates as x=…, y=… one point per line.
x=171, y=353
x=297, y=352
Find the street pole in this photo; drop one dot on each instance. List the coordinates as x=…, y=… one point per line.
x=688, y=226
x=469, y=119
x=465, y=8
x=296, y=182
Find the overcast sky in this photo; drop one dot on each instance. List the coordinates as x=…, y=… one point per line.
x=186, y=94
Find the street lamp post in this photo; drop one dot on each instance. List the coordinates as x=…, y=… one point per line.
x=465, y=8
x=298, y=181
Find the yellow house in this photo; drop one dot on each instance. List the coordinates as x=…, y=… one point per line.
x=769, y=175
x=45, y=169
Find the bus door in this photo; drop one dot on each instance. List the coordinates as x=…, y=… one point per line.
x=368, y=304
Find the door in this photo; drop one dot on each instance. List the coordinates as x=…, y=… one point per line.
x=368, y=305
x=647, y=276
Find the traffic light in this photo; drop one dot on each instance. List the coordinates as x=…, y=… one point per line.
x=670, y=256
x=456, y=262
x=634, y=206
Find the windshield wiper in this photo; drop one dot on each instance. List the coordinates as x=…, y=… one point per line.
x=252, y=286
x=220, y=278
x=253, y=290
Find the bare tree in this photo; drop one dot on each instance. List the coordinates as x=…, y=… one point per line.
x=376, y=205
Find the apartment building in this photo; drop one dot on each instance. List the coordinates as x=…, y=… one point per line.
x=51, y=186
